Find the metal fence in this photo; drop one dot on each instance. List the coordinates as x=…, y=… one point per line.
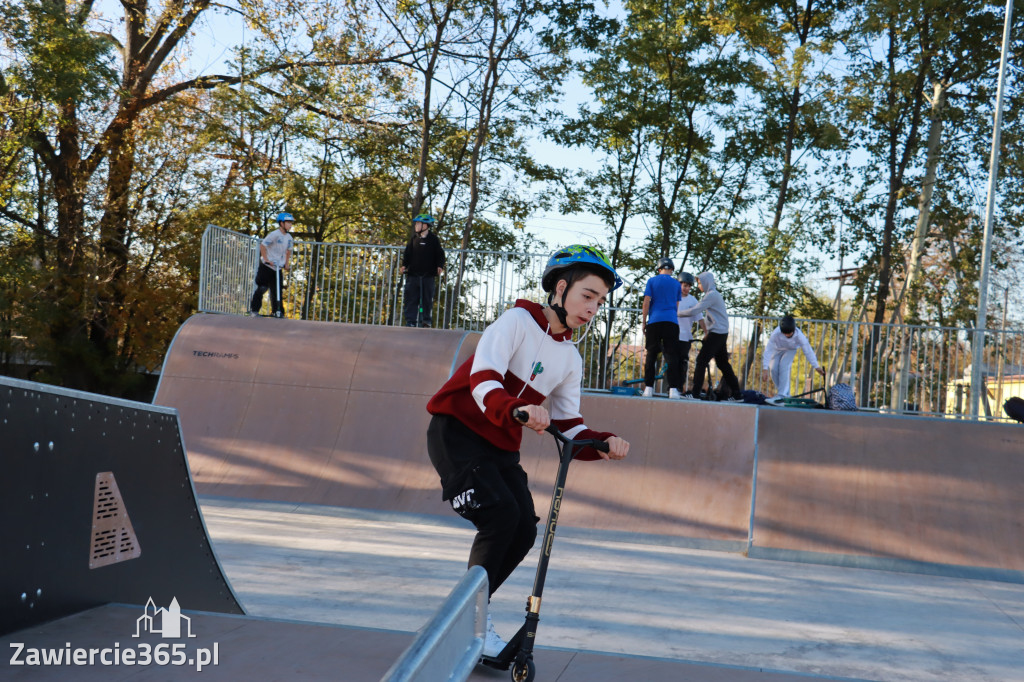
x=899, y=368
x=362, y=284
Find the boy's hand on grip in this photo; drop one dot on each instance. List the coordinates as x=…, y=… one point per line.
x=537, y=418
x=617, y=448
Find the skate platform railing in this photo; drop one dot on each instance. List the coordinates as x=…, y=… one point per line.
x=896, y=368
x=448, y=647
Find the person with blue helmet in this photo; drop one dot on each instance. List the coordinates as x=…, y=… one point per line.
x=524, y=358
x=661, y=327
x=422, y=261
x=275, y=254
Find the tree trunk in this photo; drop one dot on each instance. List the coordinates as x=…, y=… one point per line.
x=428, y=80
x=906, y=305
x=495, y=53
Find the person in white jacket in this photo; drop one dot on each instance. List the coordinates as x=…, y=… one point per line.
x=780, y=351
x=686, y=322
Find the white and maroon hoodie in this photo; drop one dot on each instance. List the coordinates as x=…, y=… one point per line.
x=518, y=362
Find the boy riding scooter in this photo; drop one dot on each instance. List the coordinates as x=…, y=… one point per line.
x=525, y=357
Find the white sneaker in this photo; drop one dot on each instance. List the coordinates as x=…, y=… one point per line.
x=493, y=643
x=673, y=393
x=648, y=391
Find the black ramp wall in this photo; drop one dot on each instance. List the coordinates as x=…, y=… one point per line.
x=98, y=507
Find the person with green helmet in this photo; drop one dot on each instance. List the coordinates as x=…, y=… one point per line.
x=422, y=261
x=522, y=359
x=275, y=254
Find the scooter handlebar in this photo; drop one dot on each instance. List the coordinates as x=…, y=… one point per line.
x=601, y=446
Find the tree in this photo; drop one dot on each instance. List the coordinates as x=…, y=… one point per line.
x=80, y=111
x=902, y=53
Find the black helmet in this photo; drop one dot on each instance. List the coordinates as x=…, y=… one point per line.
x=665, y=264
x=787, y=325
x=687, y=278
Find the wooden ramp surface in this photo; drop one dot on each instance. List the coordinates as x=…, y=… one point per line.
x=334, y=414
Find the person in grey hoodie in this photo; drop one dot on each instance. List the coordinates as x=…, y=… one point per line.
x=716, y=334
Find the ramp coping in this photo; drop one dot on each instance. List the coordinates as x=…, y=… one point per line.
x=83, y=395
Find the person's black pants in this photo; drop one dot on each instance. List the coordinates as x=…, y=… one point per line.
x=684, y=363
x=714, y=346
x=662, y=337
x=419, y=295
x=488, y=487
x=266, y=278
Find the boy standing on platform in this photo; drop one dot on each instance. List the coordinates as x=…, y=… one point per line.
x=661, y=327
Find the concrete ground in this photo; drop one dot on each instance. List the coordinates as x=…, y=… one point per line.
x=607, y=594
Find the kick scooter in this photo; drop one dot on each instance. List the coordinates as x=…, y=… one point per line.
x=518, y=653
x=279, y=312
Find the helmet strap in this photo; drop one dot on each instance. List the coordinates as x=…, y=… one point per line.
x=561, y=313
x=559, y=309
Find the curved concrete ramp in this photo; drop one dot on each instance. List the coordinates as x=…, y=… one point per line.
x=98, y=507
x=335, y=414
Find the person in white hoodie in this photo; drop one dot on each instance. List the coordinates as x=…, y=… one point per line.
x=716, y=336
x=780, y=351
x=686, y=282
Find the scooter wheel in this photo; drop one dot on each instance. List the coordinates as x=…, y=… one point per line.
x=524, y=672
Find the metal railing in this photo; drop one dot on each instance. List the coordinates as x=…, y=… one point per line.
x=899, y=368
x=448, y=647
x=362, y=284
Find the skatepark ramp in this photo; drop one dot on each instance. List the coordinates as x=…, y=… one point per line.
x=334, y=414
x=98, y=507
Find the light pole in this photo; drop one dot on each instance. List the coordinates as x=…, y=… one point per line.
x=978, y=341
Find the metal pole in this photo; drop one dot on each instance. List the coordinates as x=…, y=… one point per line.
x=978, y=341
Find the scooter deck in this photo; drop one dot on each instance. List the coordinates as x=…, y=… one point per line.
x=495, y=662
x=505, y=658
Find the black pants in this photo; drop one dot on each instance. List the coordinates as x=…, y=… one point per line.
x=488, y=487
x=419, y=294
x=266, y=278
x=662, y=337
x=714, y=346
x=684, y=363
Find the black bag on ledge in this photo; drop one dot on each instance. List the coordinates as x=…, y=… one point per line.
x=1014, y=408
